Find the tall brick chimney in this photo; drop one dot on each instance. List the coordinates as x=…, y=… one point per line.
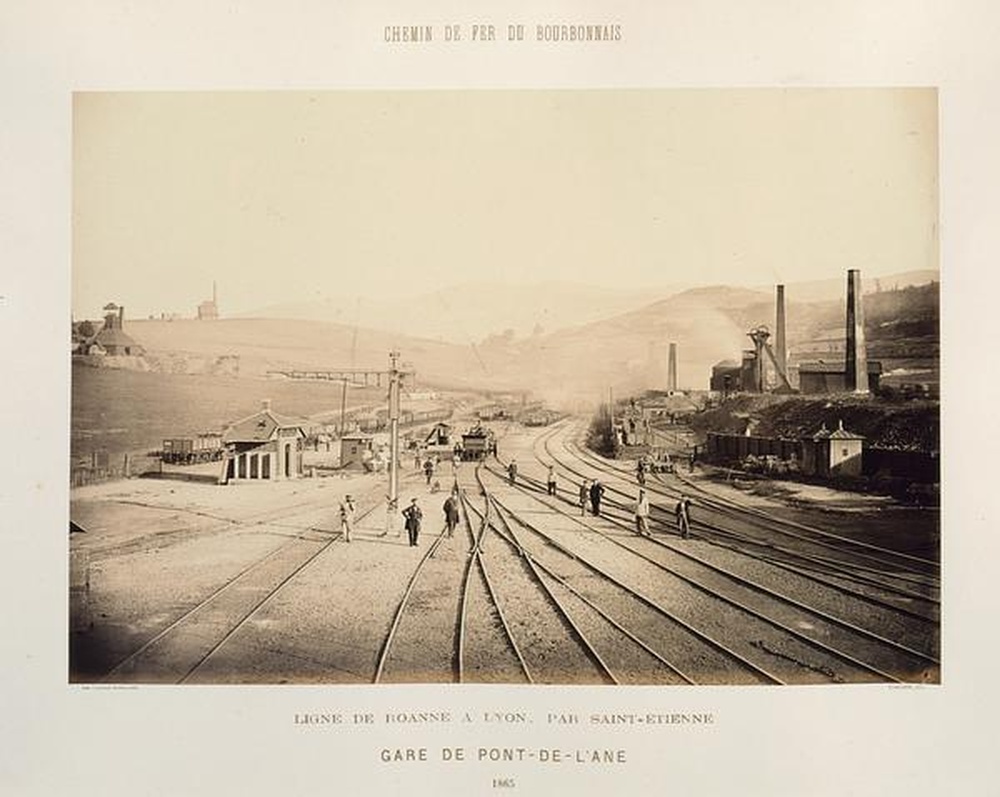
x=780, y=352
x=855, y=353
x=672, y=368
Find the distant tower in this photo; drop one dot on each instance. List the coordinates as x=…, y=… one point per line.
x=208, y=310
x=855, y=354
x=780, y=352
x=672, y=368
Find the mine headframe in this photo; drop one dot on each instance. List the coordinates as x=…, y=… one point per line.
x=760, y=335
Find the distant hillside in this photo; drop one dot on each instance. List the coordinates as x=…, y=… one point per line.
x=470, y=312
x=834, y=289
x=627, y=351
x=267, y=344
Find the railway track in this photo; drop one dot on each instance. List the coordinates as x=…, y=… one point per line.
x=179, y=650
x=487, y=650
x=907, y=593
x=831, y=626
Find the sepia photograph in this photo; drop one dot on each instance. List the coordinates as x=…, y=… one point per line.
x=507, y=387
x=461, y=399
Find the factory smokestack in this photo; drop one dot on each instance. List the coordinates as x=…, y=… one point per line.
x=856, y=356
x=780, y=352
x=672, y=368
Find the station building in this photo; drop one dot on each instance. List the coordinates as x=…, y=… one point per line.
x=836, y=453
x=264, y=446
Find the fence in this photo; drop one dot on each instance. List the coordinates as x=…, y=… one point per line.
x=103, y=468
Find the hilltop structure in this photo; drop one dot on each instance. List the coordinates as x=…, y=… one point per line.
x=208, y=310
x=111, y=340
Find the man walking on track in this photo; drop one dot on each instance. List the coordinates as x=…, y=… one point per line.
x=551, y=482
x=596, y=492
x=584, y=493
x=347, y=512
x=683, y=512
x=512, y=471
x=451, y=512
x=413, y=516
x=642, y=515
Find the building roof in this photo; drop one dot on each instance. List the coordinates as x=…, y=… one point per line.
x=840, y=433
x=260, y=427
x=725, y=364
x=113, y=336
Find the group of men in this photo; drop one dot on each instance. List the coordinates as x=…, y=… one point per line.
x=682, y=512
x=413, y=517
x=592, y=491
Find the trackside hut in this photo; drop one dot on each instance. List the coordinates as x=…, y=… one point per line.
x=265, y=445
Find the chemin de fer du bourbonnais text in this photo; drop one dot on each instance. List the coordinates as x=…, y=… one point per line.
x=489, y=32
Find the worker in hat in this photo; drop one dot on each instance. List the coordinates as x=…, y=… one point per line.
x=347, y=512
x=413, y=517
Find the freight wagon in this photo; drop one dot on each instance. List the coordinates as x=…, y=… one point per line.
x=478, y=443
x=205, y=447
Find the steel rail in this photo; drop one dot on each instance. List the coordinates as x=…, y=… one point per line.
x=731, y=601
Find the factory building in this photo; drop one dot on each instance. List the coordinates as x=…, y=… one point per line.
x=726, y=377
x=831, y=377
x=208, y=310
x=765, y=368
x=264, y=446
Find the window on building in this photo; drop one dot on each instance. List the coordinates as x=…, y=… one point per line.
x=243, y=466
x=253, y=466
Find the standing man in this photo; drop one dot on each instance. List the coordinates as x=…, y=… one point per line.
x=596, y=492
x=640, y=472
x=551, y=483
x=451, y=513
x=642, y=515
x=347, y=512
x=512, y=471
x=683, y=513
x=691, y=459
x=584, y=492
x=428, y=469
x=413, y=516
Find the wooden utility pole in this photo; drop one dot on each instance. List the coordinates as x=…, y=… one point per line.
x=395, y=377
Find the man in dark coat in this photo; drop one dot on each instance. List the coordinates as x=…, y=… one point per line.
x=413, y=516
x=596, y=491
x=450, y=513
x=512, y=471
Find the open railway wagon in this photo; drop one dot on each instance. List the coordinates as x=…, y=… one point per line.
x=658, y=461
x=205, y=447
x=478, y=443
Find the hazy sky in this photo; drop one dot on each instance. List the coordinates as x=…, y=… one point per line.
x=292, y=196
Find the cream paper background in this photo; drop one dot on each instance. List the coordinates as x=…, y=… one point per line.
x=59, y=739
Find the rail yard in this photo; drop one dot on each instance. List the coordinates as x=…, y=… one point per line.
x=190, y=582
